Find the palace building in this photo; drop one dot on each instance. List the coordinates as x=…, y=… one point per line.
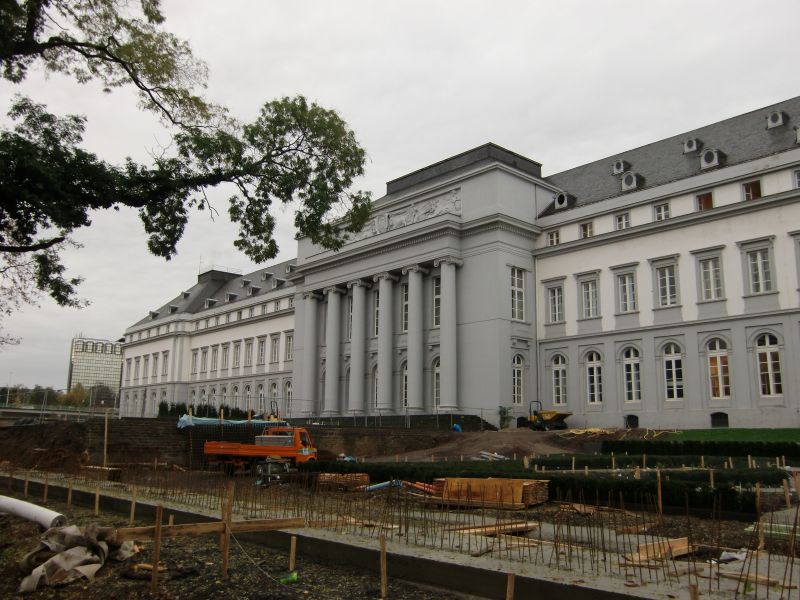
x=657, y=288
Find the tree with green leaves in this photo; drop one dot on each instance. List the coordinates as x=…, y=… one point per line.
x=295, y=152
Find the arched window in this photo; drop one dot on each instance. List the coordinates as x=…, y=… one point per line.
x=273, y=392
x=235, y=397
x=203, y=396
x=719, y=419
x=769, y=365
x=517, y=384
x=673, y=372
x=437, y=383
x=224, y=396
x=288, y=397
x=594, y=378
x=212, y=397
x=632, y=372
x=261, y=406
x=718, y=377
x=559, y=380
x=404, y=385
x=247, y=397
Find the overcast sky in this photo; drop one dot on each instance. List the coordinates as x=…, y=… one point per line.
x=562, y=82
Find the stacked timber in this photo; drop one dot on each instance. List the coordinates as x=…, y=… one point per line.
x=343, y=481
x=500, y=493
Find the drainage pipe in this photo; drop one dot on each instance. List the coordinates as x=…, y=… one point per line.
x=43, y=516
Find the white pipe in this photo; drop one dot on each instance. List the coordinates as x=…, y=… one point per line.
x=43, y=516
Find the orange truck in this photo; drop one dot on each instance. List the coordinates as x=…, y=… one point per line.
x=281, y=445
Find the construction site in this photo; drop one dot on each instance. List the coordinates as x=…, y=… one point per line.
x=262, y=509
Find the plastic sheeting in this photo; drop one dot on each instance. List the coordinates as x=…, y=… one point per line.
x=187, y=421
x=45, y=517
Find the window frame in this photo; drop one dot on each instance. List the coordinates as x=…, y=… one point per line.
x=672, y=372
x=594, y=377
x=517, y=294
x=553, y=237
x=585, y=230
x=274, y=348
x=554, y=301
x=288, y=350
x=718, y=369
x=404, y=307
x=518, y=380
x=631, y=374
x=661, y=212
x=627, y=292
x=749, y=249
x=772, y=355
x=558, y=379
x=376, y=312
x=702, y=199
x=751, y=190
x=214, y=358
x=436, y=307
x=622, y=221
x=666, y=282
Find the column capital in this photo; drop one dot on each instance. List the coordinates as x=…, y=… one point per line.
x=312, y=295
x=384, y=275
x=448, y=260
x=358, y=283
x=414, y=269
x=332, y=289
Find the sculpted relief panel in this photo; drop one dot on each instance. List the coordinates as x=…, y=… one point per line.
x=447, y=203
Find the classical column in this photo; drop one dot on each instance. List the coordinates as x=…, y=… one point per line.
x=448, y=342
x=310, y=358
x=333, y=346
x=358, y=347
x=415, y=358
x=385, y=291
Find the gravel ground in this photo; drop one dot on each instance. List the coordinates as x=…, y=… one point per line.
x=193, y=571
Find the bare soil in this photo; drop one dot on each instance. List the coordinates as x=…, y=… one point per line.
x=193, y=570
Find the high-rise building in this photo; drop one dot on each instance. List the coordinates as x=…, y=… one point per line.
x=95, y=364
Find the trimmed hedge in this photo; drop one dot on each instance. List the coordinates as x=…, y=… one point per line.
x=563, y=462
x=679, y=488
x=706, y=448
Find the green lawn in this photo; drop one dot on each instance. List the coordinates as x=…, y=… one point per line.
x=735, y=435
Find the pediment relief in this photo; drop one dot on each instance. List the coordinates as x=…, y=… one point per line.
x=447, y=203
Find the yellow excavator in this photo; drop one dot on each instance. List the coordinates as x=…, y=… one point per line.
x=544, y=420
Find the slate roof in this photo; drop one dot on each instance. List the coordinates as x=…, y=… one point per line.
x=741, y=139
x=216, y=285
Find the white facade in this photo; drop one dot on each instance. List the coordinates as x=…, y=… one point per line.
x=658, y=287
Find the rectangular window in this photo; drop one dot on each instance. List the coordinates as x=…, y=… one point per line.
x=626, y=284
x=404, y=307
x=633, y=381
x=155, y=365
x=263, y=309
x=667, y=285
x=594, y=383
x=559, y=385
x=589, y=302
x=194, y=361
x=204, y=360
x=276, y=306
x=164, y=362
x=214, y=354
x=759, y=268
x=752, y=190
x=553, y=238
x=262, y=351
x=128, y=364
x=673, y=377
x=216, y=320
x=797, y=179
x=555, y=303
x=622, y=221
x=208, y=324
x=237, y=351
x=290, y=302
x=238, y=315
x=274, y=349
x=705, y=202
x=437, y=301
x=586, y=230
x=248, y=354
x=517, y=294
x=661, y=212
x=376, y=312
x=404, y=388
x=710, y=278
x=251, y=312
x=225, y=350
x=289, y=353
x=227, y=317
x=136, y=369
x=145, y=367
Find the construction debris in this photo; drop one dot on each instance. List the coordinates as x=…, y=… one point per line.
x=656, y=552
x=343, y=481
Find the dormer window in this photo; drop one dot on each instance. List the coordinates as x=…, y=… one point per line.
x=210, y=302
x=153, y=314
x=185, y=295
x=173, y=309
x=252, y=291
x=230, y=297
x=245, y=283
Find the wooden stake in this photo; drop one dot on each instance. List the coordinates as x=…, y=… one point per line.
x=46, y=487
x=69, y=495
x=702, y=462
x=292, y=552
x=226, y=535
x=133, y=505
x=573, y=463
x=384, y=575
x=711, y=478
x=526, y=462
x=660, y=505
x=171, y=520
x=156, y=549
x=586, y=470
x=105, y=441
x=510, y=586
x=694, y=592
x=787, y=494
x=613, y=462
x=97, y=501
x=644, y=461
x=730, y=462
x=25, y=487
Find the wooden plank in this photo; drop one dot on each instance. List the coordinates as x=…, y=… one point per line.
x=757, y=579
x=188, y=529
x=498, y=528
x=665, y=548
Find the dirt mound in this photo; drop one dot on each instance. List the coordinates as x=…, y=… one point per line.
x=61, y=446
